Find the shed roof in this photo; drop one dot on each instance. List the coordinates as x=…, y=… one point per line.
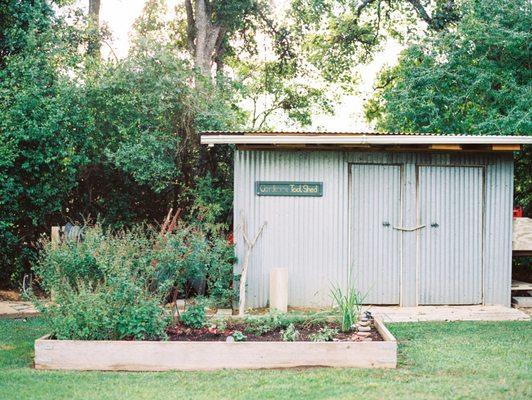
x=415, y=141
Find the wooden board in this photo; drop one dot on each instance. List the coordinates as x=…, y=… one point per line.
x=520, y=285
x=522, y=301
x=190, y=356
x=522, y=235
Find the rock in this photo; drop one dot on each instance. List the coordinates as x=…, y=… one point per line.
x=368, y=339
x=229, y=339
x=363, y=334
x=363, y=323
x=364, y=328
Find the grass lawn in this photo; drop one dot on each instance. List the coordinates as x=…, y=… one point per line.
x=466, y=360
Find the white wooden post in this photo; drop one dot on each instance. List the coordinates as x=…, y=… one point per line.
x=279, y=289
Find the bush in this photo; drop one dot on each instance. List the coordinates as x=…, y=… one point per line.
x=325, y=334
x=290, y=334
x=193, y=316
x=113, y=285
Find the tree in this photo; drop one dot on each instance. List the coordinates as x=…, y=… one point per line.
x=474, y=79
x=94, y=24
x=335, y=36
x=43, y=128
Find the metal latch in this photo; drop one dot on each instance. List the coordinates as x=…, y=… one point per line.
x=400, y=228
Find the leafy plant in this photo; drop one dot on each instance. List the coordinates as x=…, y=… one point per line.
x=290, y=334
x=260, y=324
x=193, y=316
x=112, y=285
x=238, y=336
x=348, y=306
x=325, y=334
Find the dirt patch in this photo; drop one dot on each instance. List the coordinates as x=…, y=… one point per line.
x=183, y=334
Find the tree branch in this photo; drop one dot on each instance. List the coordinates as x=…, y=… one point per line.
x=191, y=27
x=363, y=5
x=421, y=11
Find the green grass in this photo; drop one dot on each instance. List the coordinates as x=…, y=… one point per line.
x=462, y=360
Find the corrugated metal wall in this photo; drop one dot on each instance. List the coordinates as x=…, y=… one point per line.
x=311, y=236
x=375, y=251
x=450, y=246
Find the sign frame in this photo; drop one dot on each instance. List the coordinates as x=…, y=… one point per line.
x=319, y=186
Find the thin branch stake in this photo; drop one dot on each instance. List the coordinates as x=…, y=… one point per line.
x=243, y=276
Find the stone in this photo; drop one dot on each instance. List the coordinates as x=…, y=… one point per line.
x=363, y=334
x=368, y=339
x=363, y=323
x=364, y=328
x=229, y=339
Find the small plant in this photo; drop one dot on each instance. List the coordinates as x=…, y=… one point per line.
x=290, y=334
x=193, y=316
x=239, y=336
x=325, y=334
x=349, y=305
x=221, y=326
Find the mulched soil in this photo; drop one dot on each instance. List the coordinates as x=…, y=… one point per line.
x=185, y=334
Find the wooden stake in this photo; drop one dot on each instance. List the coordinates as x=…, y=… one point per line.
x=243, y=277
x=54, y=236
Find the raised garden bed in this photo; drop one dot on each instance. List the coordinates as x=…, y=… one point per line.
x=213, y=353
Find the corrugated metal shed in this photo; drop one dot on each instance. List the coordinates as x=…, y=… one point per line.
x=465, y=259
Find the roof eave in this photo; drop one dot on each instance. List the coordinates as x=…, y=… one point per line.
x=361, y=139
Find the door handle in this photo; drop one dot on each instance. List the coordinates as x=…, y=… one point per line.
x=400, y=228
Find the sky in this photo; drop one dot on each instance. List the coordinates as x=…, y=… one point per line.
x=119, y=16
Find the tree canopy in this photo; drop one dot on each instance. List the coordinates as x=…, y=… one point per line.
x=473, y=79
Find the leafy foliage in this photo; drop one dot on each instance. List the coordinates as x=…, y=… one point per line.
x=475, y=79
x=238, y=336
x=117, y=293
x=193, y=316
x=349, y=304
x=113, y=285
x=79, y=137
x=290, y=334
x=43, y=128
x=325, y=334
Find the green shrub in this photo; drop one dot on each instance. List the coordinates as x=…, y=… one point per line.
x=113, y=285
x=239, y=336
x=290, y=334
x=325, y=334
x=193, y=316
x=260, y=324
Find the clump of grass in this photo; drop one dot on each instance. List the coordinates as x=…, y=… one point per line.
x=349, y=304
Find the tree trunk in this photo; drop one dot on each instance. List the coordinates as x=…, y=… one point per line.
x=94, y=23
x=204, y=36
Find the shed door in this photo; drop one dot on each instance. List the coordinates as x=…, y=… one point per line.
x=450, y=246
x=375, y=246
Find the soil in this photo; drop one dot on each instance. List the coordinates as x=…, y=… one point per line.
x=183, y=334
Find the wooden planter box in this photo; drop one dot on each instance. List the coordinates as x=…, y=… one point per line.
x=189, y=356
